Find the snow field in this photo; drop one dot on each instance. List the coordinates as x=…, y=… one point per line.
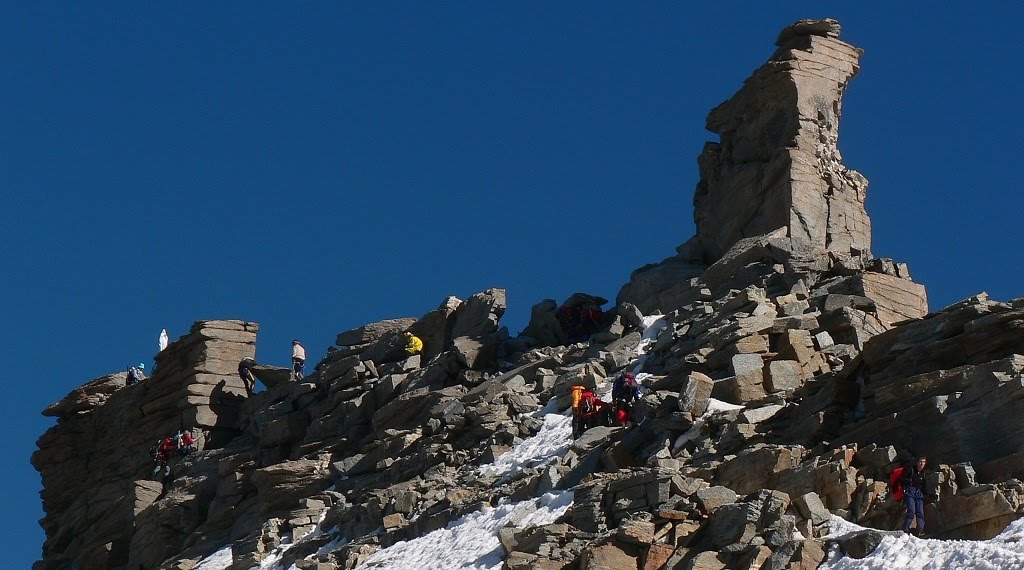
x=906, y=552
x=471, y=541
x=552, y=441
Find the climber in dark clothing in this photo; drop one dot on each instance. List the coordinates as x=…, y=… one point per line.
x=625, y=391
x=915, y=489
x=245, y=372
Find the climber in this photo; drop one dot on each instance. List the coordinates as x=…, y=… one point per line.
x=298, y=359
x=592, y=410
x=135, y=374
x=569, y=318
x=413, y=344
x=624, y=392
x=590, y=321
x=184, y=442
x=163, y=453
x=248, y=378
x=915, y=489
x=577, y=392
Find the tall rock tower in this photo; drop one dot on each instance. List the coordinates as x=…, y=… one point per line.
x=777, y=164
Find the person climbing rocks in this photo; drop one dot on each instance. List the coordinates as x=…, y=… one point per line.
x=163, y=453
x=184, y=442
x=577, y=392
x=592, y=410
x=569, y=319
x=298, y=359
x=413, y=344
x=246, y=374
x=625, y=391
x=590, y=321
x=916, y=488
x=135, y=374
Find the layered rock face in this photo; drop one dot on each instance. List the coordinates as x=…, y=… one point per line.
x=95, y=462
x=778, y=164
x=785, y=373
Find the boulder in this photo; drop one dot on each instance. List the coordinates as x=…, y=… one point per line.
x=373, y=332
x=480, y=314
x=544, y=326
x=608, y=557
x=284, y=485
x=433, y=327
x=711, y=498
x=696, y=394
x=747, y=381
x=480, y=353
x=812, y=509
x=271, y=376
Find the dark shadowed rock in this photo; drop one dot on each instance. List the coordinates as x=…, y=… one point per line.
x=372, y=332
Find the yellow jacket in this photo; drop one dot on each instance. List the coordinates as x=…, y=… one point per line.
x=414, y=345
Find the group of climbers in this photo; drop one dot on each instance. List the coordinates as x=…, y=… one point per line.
x=246, y=367
x=181, y=443
x=590, y=411
x=579, y=322
x=413, y=345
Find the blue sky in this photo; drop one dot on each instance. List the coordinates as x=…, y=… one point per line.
x=316, y=167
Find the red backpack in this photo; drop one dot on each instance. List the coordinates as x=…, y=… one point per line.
x=588, y=404
x=895, y=485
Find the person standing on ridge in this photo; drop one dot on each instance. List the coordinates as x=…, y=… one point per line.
x=915, y=489
x=298, y=359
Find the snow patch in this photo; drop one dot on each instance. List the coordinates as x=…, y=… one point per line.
x=714, y=407
x=909, y=553
x=217, y=561
x=552, y=441
x=471, y=541
x=651, y=327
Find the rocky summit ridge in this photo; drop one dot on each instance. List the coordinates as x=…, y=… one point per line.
x=785, y=370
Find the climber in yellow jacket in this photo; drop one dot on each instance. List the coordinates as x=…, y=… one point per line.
x=413, y=344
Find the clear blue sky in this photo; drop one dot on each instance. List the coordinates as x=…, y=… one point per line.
x=313, y=168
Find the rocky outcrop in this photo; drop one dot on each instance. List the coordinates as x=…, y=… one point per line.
x=94, y=463
x=785, y=373
x=949, y=386
x=777, y=164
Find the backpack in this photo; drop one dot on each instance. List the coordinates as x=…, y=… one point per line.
x=587, y=404
x=896, y=485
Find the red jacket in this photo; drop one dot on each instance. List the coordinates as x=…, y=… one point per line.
x=165, y=449
x=589, y=399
